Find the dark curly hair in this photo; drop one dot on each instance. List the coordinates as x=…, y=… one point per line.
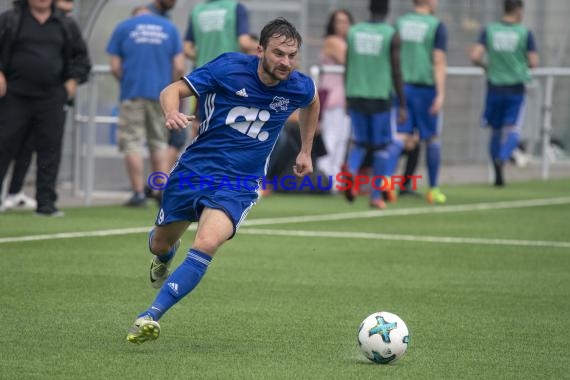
x=277, y=28
x=512, y=5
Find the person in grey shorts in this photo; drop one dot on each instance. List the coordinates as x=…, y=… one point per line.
x=146, y=55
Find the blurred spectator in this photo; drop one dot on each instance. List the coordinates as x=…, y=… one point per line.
x=335, y=123
x=146, y=53
x=33, y=34
x=16, y=198
x=254, y=42
x=216, y=27
x=176, y=138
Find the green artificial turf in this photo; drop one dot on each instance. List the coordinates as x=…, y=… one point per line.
x=288, y=307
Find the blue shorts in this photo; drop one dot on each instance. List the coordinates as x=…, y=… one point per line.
x=186, y=195
x=419, y=100
x=376, y=130
x=503, y=110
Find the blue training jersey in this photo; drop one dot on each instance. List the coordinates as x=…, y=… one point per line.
x=147, y=45
x=241, y=116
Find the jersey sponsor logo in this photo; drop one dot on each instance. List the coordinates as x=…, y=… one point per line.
x=506, y=41
x=414, y=31
x=368, y=43
x=279, y=104
x=249, y=121
x=212, y=21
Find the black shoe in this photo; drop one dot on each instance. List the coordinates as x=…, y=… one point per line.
x=499, y=180
x=153, y=194
x=137, y=200
x=148, y=191
x=50, y=211
x=349, y=193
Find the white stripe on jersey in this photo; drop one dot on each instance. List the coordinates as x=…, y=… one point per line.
x=191, y=86
x=209, y=112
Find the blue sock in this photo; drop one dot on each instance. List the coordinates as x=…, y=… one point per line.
x=394, y=150
x=181, y=282
x=495, y=144
x=381, y=163
x=162, y=258
x=355, y=157
x=433, y=158
x=510, y=144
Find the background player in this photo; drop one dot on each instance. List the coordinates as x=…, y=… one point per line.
x=216, y=27
x=372, y=71
x=511, y=50
x=424, y=61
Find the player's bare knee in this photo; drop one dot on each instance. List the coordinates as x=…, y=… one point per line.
x=160, y=246
x=206, y=244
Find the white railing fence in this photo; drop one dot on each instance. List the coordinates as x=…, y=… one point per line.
x=463, y=140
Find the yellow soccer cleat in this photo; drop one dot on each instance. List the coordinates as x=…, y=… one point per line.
x=435, y=196
x=143, y=329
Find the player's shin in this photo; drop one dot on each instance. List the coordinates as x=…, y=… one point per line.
x=433, y=158
x=181, y=282
x=510, y=142
x=381, y=168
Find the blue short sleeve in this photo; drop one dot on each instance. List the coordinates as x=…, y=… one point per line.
x=177, y=42
x=531, y=42
x=203, y=79
x=114, y=44
x=483, y=37
x=189, y=36
x=242, y=22
x=440, y=42
x=311, y=91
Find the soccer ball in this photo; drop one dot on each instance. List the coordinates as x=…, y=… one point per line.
x=383, y=337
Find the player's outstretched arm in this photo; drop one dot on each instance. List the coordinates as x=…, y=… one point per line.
x=170, y=103
x=308, y=120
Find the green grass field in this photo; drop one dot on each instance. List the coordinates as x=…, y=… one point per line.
x=484, y=288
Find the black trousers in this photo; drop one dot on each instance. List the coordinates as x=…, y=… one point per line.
x=40, y=120
x=22, y=162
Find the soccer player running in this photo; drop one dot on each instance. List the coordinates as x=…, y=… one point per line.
x=372, y=71
x=245, y=100
x=511, y=51
x=424, y=62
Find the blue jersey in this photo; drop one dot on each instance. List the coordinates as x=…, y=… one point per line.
x=146, y=45
x=242, y=117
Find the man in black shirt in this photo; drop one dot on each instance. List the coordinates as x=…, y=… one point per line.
x=42, y=61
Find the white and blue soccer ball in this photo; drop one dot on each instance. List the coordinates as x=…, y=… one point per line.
x=383, y=337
